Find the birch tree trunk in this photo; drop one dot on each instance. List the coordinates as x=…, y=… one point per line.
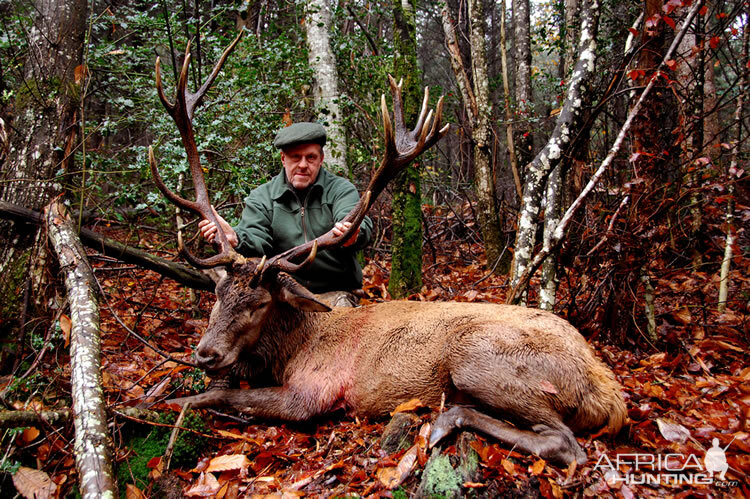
x=553, y=197
x=484, y=177
x=524, y=98
x=42, y=140
x=326, y=88
x=556, y=184
x=92, y=447
x=479, y=108
x=551, y=155
x=406, y=254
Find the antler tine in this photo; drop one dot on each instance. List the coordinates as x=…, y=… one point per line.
x=197, y=97
x=255, y=279
x=174, y=198
x=283, y=261
x=160, y=89
x=423, y=110
x=398, y=108
x=388, y=140
x=182, y=113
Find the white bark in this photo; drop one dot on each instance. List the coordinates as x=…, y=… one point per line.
x=551, y=155
x=553, y=197
x=522, y=279
x=92, y=447
x=326, y=89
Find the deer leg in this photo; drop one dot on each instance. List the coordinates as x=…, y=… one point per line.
x=278, y=402
x=552, y=443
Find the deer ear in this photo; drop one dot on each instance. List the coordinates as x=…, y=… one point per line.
x=216, y=273
x=298, y=296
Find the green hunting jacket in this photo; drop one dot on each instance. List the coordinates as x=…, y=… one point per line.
x=277, y=217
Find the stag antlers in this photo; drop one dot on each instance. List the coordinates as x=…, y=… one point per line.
x=401, y=147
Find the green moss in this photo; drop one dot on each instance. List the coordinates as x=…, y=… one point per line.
x=11, y=301
x=440, y=479
x=406, y=261
x=469, y=465
x=186, y=452
x=399, y=493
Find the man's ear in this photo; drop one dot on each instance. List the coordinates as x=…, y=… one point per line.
x=298, y=296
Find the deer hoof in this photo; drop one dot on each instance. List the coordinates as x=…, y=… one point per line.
x=560, y=445
x=445, y=424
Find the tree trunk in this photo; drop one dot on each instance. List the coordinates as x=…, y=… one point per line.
x=42, y=138
x=522, y=56
x=557, y=184
x=508, y=109
x=326, y=89
x=568, y=122
x=553, y=206
x=734, y=172
x=479, y=108
x=484, y=177
x=92, y=447
x=406, y=253
x=521, y=280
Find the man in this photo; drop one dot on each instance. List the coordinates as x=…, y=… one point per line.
x=302, y=202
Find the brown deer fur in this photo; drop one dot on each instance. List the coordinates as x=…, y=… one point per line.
x=515, y=363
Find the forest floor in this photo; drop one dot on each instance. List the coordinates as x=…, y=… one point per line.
x=679, y=400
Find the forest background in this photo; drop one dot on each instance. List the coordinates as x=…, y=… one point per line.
x=596, y=167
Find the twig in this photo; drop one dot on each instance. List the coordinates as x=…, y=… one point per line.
x=609, y=227
x=173, y=437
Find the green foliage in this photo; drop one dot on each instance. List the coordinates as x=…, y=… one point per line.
x=23, y=387
x=193, y=380
x=234, y=126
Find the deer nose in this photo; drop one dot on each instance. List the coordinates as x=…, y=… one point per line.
x=207, y=357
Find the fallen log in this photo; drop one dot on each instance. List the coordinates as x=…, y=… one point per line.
x=96, y=241
x=92, y=447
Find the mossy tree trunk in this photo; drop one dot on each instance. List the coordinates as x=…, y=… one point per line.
x=406, y=255
x=43, y=137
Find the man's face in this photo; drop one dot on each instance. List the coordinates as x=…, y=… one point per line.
x=302, y=164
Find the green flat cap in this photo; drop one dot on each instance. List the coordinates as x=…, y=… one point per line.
x=300, y=133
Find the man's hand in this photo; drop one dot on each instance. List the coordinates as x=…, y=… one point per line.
x=340, y=228
x=209, y=230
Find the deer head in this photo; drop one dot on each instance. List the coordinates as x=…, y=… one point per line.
x=248, y=290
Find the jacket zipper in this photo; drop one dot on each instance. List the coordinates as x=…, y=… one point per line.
x=303, y=206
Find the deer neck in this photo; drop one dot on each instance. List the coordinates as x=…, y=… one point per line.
x=284, y=334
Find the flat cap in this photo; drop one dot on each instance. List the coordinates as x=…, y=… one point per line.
x=300, y=133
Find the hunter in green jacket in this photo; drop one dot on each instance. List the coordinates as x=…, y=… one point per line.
x=303, y=202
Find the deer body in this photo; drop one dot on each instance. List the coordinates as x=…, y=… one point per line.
x=520, y=364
